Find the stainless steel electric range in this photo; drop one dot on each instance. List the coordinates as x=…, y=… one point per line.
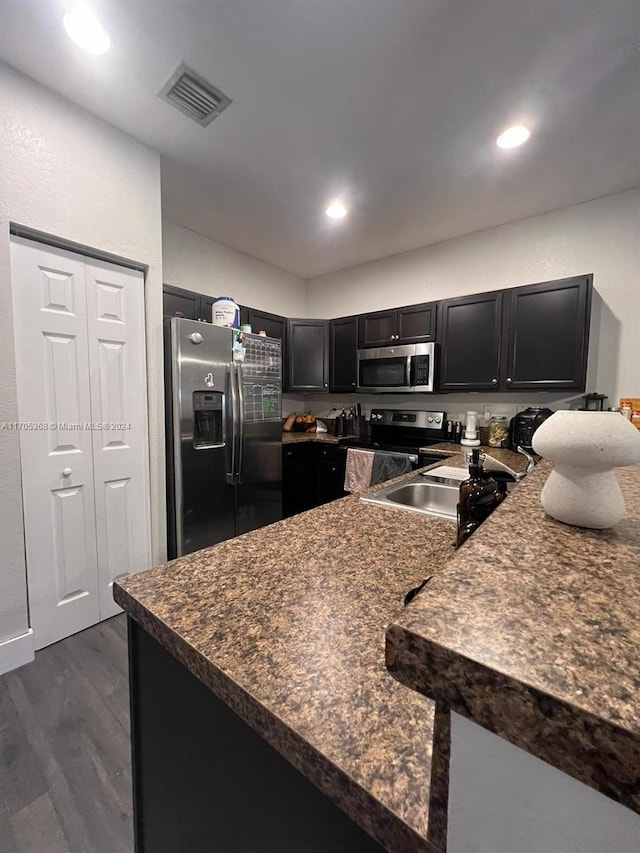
x=404, y=431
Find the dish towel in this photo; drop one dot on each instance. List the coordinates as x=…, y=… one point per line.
x=386, y=466
x=357, y=475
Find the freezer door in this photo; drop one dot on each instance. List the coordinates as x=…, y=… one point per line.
x=259, y=469
x=202, y=435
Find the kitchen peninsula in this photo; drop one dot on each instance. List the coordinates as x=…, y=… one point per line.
x=285, y=626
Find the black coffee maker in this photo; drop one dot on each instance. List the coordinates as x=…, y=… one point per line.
x=524, y=424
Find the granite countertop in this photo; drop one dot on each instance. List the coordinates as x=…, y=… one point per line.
x=287, y=625
x=533, y=630
x=295, y=437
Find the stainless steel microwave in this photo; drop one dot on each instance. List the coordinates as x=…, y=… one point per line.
x=397, y=369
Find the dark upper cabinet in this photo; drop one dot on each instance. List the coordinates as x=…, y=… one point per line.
x=470, y=342
x=377, y=329
x=177, y=302
x=308, y=355
x=206, y=305
x=412, y=324
x=546, y=335
x=416, y=323
x=343, y=354
x=274, y=325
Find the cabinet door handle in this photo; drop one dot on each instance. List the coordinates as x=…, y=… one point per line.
x=67, y=472
x=392, y=338
x=509, y=380
x=494, y=381
x=326, y=385
x=353, y=384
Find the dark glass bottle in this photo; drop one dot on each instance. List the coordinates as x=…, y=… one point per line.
x=478, y=499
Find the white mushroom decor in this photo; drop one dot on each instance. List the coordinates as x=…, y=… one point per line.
x=585, y=446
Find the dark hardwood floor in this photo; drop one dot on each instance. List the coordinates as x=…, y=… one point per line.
x=65, y=768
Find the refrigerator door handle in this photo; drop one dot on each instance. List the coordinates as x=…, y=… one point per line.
x=240, y=425
x=230, y=416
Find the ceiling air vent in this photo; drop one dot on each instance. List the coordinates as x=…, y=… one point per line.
x=194, y=96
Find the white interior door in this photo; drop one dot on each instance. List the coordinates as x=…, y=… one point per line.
x=54, y=405
x=115, y=312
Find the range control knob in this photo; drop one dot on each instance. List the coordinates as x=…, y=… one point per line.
x=430, y=419
x=438, y=420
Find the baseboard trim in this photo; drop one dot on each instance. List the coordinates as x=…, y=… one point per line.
x=17, y=651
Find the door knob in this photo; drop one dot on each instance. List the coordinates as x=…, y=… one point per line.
x=67, y=472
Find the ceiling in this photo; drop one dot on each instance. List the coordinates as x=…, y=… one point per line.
x=392, y=104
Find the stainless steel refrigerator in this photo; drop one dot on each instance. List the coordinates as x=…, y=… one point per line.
x=224, y=433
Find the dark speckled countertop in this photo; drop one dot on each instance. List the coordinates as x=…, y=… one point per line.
x=287, y=625
x=295, y=437
x=533, y=631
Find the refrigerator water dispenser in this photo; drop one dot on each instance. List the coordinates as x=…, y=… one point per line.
x=207, y=419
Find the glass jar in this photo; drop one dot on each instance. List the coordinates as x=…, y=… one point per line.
x=498, y=431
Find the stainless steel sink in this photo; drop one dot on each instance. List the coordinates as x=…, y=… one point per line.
x=417, y=495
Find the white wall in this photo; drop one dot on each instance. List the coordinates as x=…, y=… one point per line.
x=71, y=176
x=198, y=263
x=504, y=800
x=602, y=237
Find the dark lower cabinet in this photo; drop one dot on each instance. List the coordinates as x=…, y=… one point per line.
x=308, y=356
x=205, y=781
x=312, y=474
x=470, y=342
x=546, y=335
x=298, y=478
x=343, y=365
x=330, y=468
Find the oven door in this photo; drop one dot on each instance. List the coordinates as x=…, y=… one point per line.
x=387, y=369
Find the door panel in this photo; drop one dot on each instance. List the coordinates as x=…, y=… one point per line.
x=470, y=337
x=377, y=329
x=117, y=357
x=52, y=367
x=548, y=335
x=259, y=495
x=308, y=355
x=202, y=493
x=72, y=557
x=417, y=323
x=177, y=302
x=343, y=355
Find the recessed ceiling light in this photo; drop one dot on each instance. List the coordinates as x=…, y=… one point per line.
x=513, y=136
x=86, y=30
x=336, y=209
